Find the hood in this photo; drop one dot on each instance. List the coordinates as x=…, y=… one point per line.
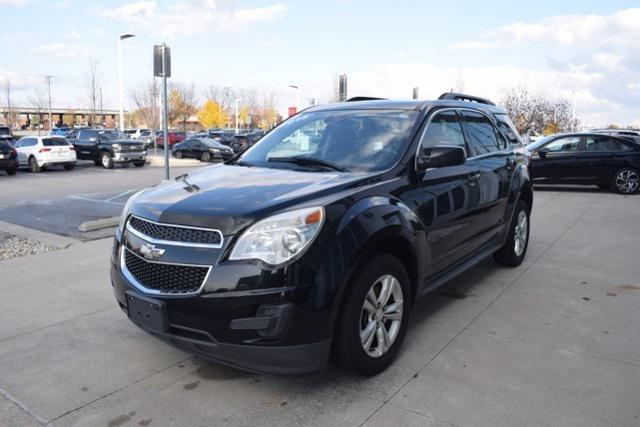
x=231, y=197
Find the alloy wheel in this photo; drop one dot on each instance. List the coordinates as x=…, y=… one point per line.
x=381, y=316
x=520, y=233
x=627, y=181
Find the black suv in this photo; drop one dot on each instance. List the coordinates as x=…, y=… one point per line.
x=107, y=147
x=318, y=239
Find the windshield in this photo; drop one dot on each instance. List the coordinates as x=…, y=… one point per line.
x=355, y=140
x=111, y=135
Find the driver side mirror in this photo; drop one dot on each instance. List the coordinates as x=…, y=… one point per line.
x=542, y=153
x=441, y=156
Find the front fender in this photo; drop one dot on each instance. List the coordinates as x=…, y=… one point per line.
x=365, y=227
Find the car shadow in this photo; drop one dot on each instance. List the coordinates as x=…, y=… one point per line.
x=571, y=188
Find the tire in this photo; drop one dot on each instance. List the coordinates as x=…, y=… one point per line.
x=33, y=165
x=106, y=160
x=512, y=253
x=627, y=181
x=178, y=154
x=69, y=167
x=349, y=349
x=205, y=157
x=139, y=164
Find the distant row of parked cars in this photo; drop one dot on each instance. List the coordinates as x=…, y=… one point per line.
x=108, y=147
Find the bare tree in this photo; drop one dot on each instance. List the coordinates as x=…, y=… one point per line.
x=39, y=102
x=145, y=97
x=93, y=86
x=535, y=114
x=10, y=115
x=223, y=95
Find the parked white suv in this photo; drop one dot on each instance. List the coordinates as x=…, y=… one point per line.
x=37, y=152
x=135, y=133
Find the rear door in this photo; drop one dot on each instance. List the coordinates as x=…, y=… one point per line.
x=555, y=162
x=601, y=157
x=494, y=164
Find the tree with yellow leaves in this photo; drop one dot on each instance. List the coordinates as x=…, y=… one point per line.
x=243, y=116
x=212, y=115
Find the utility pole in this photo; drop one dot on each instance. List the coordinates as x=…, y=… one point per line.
x=49, y=85
x=236, y=115
x=120, y=77
x=162, y=68
x=101, y=110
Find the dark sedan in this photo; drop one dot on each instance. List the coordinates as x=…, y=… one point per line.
x=607, y=161
x=8, y=158
x=204, y=149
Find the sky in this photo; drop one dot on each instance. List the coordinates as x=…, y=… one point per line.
x=584, y=50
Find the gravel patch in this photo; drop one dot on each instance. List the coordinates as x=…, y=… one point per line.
x=12, y=246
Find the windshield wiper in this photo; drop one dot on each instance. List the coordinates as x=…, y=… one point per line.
x=309, y=161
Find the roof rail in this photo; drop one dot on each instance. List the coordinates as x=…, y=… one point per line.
x=464, y=97
x=364, y=98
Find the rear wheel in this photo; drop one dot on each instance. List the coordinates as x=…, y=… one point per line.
x=374, y=316
x=205, y=157
x=178, y=154
x=627, y=181
x=515, y=248
x=106, y=160
x=33, y=165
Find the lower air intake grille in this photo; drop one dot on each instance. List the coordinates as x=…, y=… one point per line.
x=165, y=278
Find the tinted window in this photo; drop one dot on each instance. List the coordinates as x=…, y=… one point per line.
x=508, y=129
x=569, y=143
x=54, y=142
x=5, y=131
x=86, y=134
x=603, y=143
x=443, y=129
x=482, y=135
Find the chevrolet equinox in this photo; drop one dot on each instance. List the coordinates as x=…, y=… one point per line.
x=315, y=243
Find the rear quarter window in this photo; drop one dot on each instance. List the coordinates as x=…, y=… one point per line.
x=508, y=129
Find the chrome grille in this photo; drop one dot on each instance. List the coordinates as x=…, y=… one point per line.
x=163, y=278
x=190, y=236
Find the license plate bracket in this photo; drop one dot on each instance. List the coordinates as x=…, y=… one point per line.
x=148, y=312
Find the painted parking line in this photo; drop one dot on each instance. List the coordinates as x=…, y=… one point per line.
x=117, y=196
x=91, y=199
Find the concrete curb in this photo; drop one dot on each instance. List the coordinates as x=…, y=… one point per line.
x=41, y=236
x=159, y=161
x=99, y=224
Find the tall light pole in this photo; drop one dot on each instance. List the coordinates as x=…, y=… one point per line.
x=237, y=115
x=297, y=96
x=49, y=85
x=120, y=83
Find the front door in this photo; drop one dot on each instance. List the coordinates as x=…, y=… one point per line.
x=555, y=162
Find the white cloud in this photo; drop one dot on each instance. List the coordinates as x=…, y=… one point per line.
x=13, y=2
x=73, y=34
x=619, y=28
x=64, y=50
x=188, y=17
x=62, y=4
x=15, y=37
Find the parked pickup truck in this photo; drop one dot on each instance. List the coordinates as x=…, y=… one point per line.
x=107, y=147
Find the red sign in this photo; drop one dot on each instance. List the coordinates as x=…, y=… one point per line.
x=292, y=111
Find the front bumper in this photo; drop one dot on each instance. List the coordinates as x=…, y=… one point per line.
x=217, y=325
x=120, y=157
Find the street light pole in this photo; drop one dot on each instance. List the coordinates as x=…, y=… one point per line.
x=297, y=88
x=120, y=77
x=49, y=85
x=236, y=115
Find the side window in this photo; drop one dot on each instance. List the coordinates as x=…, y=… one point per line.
x=605, y=143
x=481, y=133
x=569, y=143
x=443, y=129
x=508, y=129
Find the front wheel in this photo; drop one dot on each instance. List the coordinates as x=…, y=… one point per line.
x=627, y=181
x=106, y=160
x=515, y=248
x=205, y=157
x=178, y=154
x=374, y=316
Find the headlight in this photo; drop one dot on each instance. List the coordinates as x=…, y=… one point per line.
x=127, y=208
x=279, y=238
x=214, y=150
x=116, y=147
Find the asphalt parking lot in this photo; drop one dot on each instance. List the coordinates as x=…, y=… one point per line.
x=58, y=201
x=552, y=342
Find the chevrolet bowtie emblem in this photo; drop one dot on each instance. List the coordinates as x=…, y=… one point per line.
x=149, y=251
